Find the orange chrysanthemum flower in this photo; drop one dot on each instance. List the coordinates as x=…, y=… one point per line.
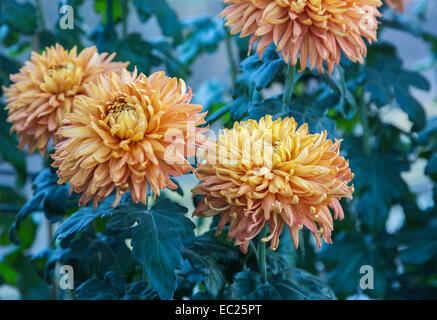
x=272, y=171
x=397, y=5
x=318, y=30
x=42, y=93
x=121, y=136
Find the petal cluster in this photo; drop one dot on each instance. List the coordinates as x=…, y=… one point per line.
x=277, y=173
x=315, y=30
x=127, y=132
x=43, y=91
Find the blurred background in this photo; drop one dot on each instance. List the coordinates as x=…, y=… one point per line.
x=212, y=67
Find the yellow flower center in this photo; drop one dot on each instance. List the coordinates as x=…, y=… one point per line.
x=297, y=6
x=123, y=119
x=60, y=67
x=65, y=78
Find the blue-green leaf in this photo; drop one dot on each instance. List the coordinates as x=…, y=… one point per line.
x=288, y=284
x=167, y=17
x=213, y=258
x=158, y=235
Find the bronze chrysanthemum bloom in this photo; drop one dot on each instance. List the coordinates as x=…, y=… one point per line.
x=272, y=171
x=43, y=91
x=317, y=30
x=396, y=5
x=121, y=136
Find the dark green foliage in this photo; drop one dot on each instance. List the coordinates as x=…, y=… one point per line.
x=49, y=197
x=165, y=15
x=113, y=287
x=213, y=258
x=378, y=183
x=20, y=17
x=387, y=81
x=157, y=240
x=288, y=284
x=204, y=34
x=360, y=250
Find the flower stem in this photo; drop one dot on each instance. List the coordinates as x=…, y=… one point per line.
x=290, y=82
x=109, y=14
x=40, y=15
x=262, y=254
x=148, y=197
x=364, y=117
x=125, y=13
x=144, y=271
x=231, y=60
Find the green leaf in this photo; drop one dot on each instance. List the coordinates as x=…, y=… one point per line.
x=289, y=284
x=210, y=93
x=82, y=218
x=312, y=109
x=419, y=245
x=167, y=17
x=101, y=7
x=378, y=183
x=49, y=197
x=8, y=143
x=10, y=197
x=18, y=15
x=273, y=106
x=213, y=258
x=431, y=167
x=346, y=101
x=140, y=291
x=388, y=81
x=112, y=287
x=255, y=76
x=28, y=283
x=179, y=188
x=8, y=66
x=351, y=251
x=158, y=235
x=429, y=131
x=33, y=205
x=8, y=274
x=204, y=34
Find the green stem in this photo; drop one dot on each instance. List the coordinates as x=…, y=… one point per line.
x=290, y=82
x=217, y=114
x=364, y=117
x=124, y=8
x=148, y=197
x=40, y=15
x=262, y=253
x=109, y=14
x=144, y=272
x=231, y=59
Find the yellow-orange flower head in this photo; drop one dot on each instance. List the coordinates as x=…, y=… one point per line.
x=396, y=5
x=274, y=172
x=121, y=134
x=318, y=30
x=43, y=91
